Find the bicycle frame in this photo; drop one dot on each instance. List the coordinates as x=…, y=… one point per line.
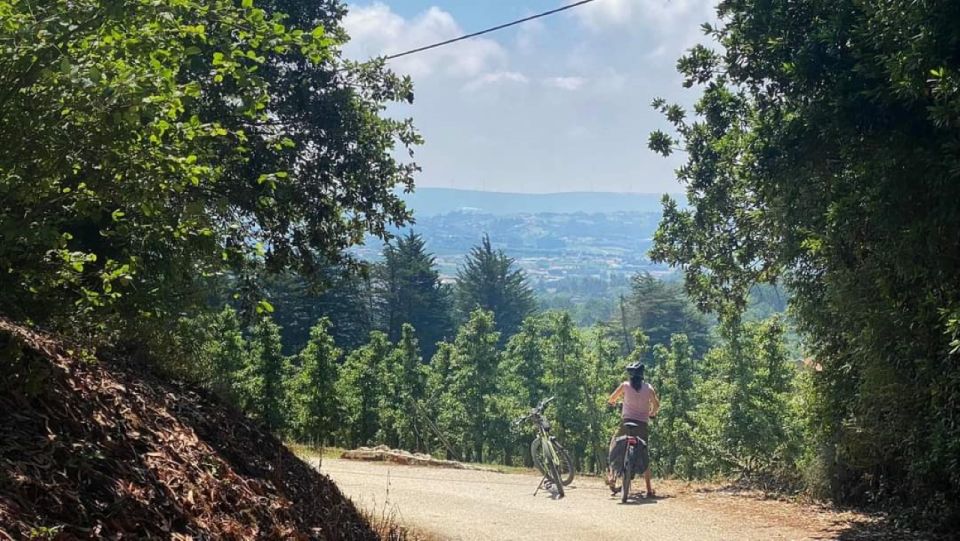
x=546, y=445
x=549, y=460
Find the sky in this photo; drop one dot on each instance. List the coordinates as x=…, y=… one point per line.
x=554, y=105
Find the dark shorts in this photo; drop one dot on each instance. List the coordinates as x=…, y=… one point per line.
x=641, y=431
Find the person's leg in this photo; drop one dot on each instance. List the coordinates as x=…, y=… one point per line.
x=610, y=476
x=645, y=434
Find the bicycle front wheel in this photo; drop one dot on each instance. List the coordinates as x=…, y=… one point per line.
x=554, y=477
x=537, y=454
x=565, y=468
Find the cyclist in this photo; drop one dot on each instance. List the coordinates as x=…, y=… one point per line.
x=640, y=403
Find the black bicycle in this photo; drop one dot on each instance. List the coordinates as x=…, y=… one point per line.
x=548, y=455
x=635, y=459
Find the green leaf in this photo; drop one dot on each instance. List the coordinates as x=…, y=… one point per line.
x=264, y=307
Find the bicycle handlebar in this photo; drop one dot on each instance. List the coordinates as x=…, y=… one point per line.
x=535, y=411
x=543, y=404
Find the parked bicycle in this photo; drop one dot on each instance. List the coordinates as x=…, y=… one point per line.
x=548, y=455
x=630, y=457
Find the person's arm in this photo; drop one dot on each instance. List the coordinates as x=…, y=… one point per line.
x=612, y=400
x=654, y=403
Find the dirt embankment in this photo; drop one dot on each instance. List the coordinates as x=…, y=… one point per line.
x=90, y=450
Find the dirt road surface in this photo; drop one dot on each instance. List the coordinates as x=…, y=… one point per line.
x=467, y=504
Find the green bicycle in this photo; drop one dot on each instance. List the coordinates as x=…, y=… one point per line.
x=551, y=459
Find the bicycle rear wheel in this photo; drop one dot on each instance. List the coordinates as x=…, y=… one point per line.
x=566, y=464
x=627, y=474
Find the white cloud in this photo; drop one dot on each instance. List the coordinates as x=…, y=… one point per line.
x=376, y=30
x=610, y=82
x=606, y=13
x=528, y=35
x=565, y=83
x=496, y=78
x=580, y=133
x=659, y=52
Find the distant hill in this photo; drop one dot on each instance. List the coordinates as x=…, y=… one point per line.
x=434, y=201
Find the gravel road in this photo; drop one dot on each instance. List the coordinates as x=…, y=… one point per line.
x=467, y=504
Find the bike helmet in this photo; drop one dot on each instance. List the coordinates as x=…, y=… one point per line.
x=635, y=366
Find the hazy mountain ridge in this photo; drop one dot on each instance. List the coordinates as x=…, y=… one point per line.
x=435, y=201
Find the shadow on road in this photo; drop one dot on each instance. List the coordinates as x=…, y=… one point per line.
x=637, y=499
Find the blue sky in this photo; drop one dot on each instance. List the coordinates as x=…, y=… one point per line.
x=558, y=104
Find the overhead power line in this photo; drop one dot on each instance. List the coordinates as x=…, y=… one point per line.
x=488, y=30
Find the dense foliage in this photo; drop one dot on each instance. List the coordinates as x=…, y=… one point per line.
x=728, y=407
x=345, y=298
x=824, y=153
x=730, y=411
x=148, y=146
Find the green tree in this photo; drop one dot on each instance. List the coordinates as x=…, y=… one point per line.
x=227, y=351
x=210, y=350
x=521, y=384
x=823, y=153
x=146, y=147
x=412, y=389
x=523, y=363
x=360, y=386
x=411, y=292
x=489, y=280
x=604, y=372
x=262, y=379
x=565, y=378
x=674, y=379
x=342, y=297
x=403, y=388
x=742, y=421
x=662, y=309
x=472, y=382
x=311, y=390
x=434, y=405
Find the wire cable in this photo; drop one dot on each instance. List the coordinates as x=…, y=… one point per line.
x=488, y=30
